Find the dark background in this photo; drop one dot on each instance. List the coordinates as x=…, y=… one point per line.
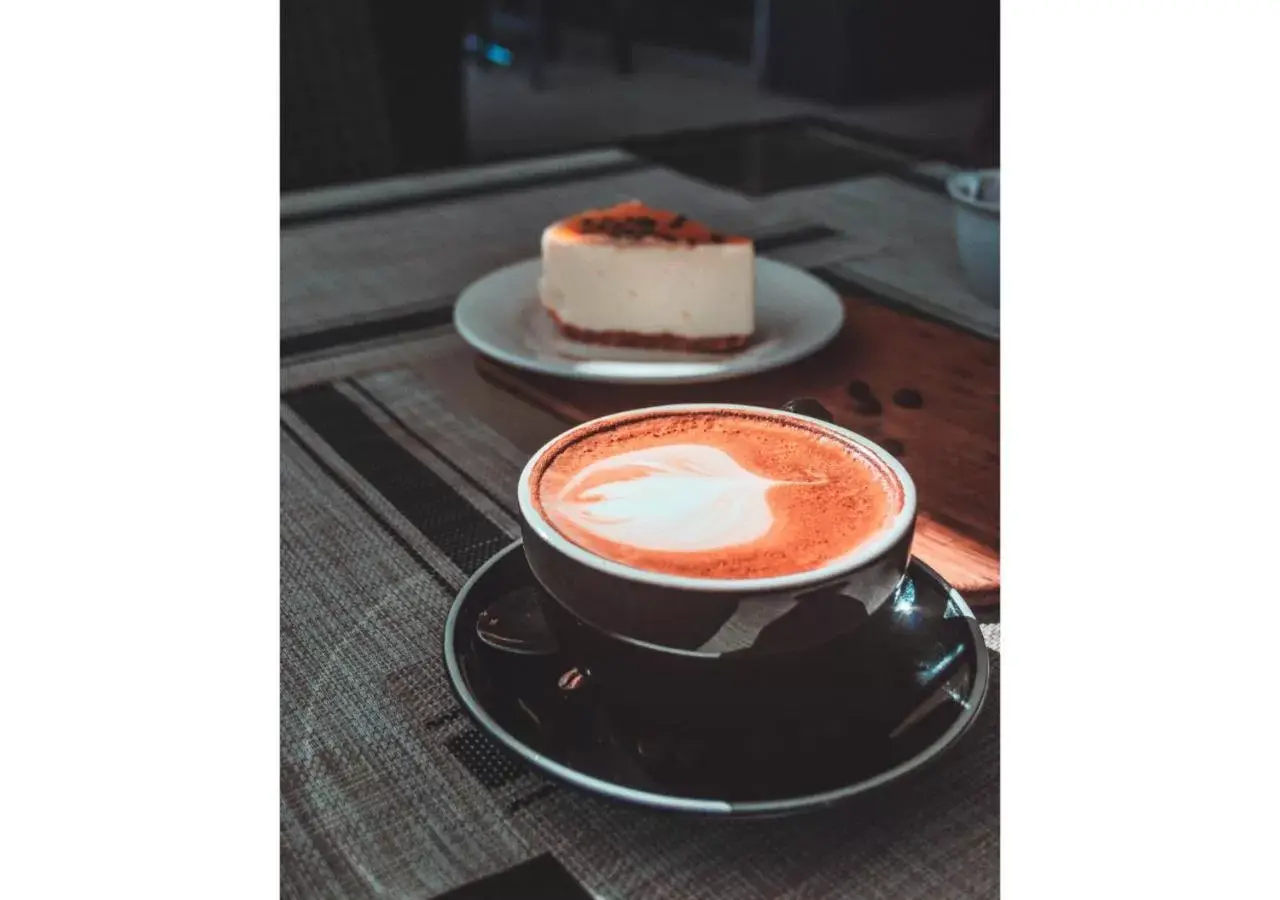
x=375, y=88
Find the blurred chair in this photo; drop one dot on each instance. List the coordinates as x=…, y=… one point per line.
x=369, y=89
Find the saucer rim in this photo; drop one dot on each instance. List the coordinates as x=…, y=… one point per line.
x=705, y=806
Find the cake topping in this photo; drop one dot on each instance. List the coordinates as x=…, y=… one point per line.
x=633, y=221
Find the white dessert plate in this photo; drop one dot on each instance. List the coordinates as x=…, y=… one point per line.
x=500, y=316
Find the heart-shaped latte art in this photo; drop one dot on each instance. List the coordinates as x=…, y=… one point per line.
x=674, y=498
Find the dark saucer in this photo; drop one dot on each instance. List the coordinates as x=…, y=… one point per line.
x=855, y=735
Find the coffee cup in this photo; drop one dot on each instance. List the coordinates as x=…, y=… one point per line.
x=620, y=536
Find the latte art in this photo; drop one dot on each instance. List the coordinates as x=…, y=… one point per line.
x=715, y=494
x=676, y=497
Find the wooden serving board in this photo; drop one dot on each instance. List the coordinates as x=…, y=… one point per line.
x=950, y=444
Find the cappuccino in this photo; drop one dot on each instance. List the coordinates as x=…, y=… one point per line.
x=724, y=494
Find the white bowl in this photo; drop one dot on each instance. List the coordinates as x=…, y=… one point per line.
x=977, y=197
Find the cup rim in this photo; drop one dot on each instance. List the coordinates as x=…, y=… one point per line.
x=961, y=184
x=864, y=553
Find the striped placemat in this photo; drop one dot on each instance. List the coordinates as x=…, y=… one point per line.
x=392, y=494
x=398, y=469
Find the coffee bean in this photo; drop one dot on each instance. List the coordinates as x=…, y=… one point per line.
x=894, y=446
x=908, y=398
x=859, y=390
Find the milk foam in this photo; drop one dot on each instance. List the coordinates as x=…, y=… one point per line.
x=673, y=497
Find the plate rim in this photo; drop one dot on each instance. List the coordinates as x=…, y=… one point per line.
x=716, y=808
x=559, y=370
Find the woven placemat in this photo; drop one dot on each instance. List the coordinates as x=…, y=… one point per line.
x=398, y=481
x=391, y=496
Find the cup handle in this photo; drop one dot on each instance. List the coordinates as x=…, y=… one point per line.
x=807, y=406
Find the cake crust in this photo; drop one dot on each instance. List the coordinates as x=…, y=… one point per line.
x=639, y=340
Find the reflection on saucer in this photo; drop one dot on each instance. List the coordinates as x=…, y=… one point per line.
x=918, y=683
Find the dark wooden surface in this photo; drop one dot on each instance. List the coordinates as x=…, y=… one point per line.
x=950, y=444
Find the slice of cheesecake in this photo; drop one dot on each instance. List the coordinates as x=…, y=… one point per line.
x=639, y=277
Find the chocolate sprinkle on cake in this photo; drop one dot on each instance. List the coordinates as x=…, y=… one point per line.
x=650, y=227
